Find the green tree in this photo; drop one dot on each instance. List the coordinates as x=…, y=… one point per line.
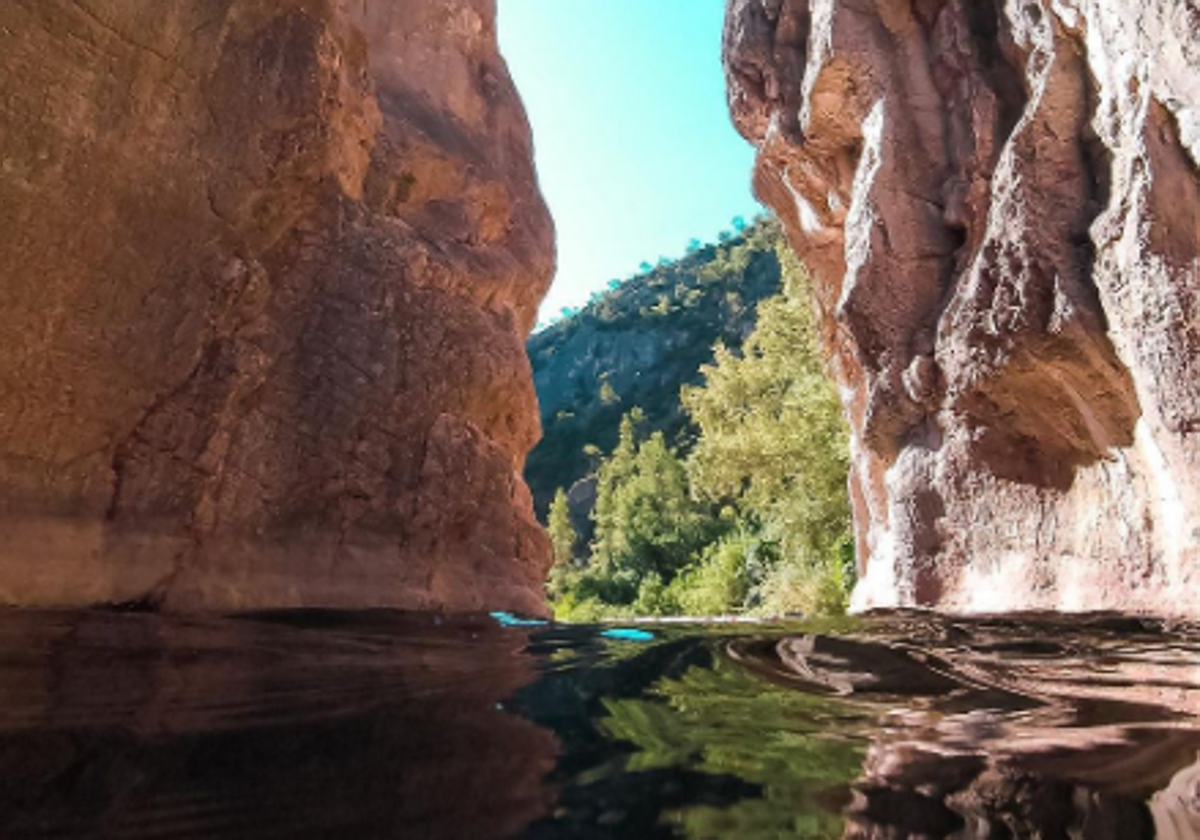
x=562, y=540
x=593, y=454
x=647, y=522
x=718, y=583
x=608, y=394
x=773, y=443
x=765, y=446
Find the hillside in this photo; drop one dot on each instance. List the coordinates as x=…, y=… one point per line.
x=637, y=345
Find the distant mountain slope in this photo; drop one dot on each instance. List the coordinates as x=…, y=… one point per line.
x=636, y=346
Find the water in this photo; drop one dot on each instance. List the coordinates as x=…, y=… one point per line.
x=362, y=725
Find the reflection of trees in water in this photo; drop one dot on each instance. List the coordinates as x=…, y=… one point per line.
x=909, y=726
x=800, y=752
x=332, y=725
x=1044, y=728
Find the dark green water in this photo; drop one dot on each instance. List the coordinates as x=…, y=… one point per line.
x=361, y=725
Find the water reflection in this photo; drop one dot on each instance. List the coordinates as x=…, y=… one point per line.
x=1044, y=727
x=316, y=726
x=320, y=724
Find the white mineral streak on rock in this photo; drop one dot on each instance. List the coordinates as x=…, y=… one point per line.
x=1023, y=231
x=860, y=218
x=820, y=49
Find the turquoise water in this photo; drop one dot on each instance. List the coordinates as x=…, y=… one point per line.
x=358, y=725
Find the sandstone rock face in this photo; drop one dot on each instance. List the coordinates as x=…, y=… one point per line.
x=1000, y=203
x=266, y=270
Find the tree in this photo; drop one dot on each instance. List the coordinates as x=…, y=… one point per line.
x=608, y=394
x=562, y=540
x=773, y=442
x=593, y=454
x=719, y=582
x=753, y=513
x=646, y=520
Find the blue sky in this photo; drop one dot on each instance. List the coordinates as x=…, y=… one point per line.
x=635, y=151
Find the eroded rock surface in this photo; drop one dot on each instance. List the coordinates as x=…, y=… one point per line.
x=1000, y=202
x=266, y=270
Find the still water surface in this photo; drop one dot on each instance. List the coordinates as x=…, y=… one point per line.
x=363, y=725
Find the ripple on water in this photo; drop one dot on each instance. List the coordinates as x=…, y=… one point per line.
x=377, y=724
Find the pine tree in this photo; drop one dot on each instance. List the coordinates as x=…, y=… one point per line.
x=613, y=473
x=647, y=524
x=562, y=540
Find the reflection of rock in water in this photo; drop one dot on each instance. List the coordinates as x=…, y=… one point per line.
x=332, y=725
x=846, y=667
x=1176, y=809
x=908, y=792
x=125, y=726
x=1010, y=729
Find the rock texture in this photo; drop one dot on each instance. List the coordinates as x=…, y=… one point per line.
x=266, y=269
x=1000, y=202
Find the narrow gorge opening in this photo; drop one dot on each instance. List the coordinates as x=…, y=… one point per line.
x=693, y=459
x=269, y=278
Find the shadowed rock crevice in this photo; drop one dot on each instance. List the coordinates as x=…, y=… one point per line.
x=1000, y=279
x=1053, y=396
x=993, y=46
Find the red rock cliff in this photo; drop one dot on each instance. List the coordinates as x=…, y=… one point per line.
x=266, y=271
x=1000, y=203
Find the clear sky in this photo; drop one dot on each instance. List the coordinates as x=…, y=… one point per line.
x=635, y=151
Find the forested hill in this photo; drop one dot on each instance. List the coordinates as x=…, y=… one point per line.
x=636, y=345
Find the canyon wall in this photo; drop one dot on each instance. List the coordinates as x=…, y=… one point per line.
x=266, y=272
x=1000, y=205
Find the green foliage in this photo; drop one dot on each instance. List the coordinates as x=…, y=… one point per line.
x=645, y=355
x=713, y=721
x=593, y=454
x=562, y=541
x=751, y=513
x=719, y=583
x=773, y=443
x=655, y=597
x=822, y=588
x=646, y=520
x=580, y=604
x=608, y=394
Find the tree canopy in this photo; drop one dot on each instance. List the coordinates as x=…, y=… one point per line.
x=754, y=514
